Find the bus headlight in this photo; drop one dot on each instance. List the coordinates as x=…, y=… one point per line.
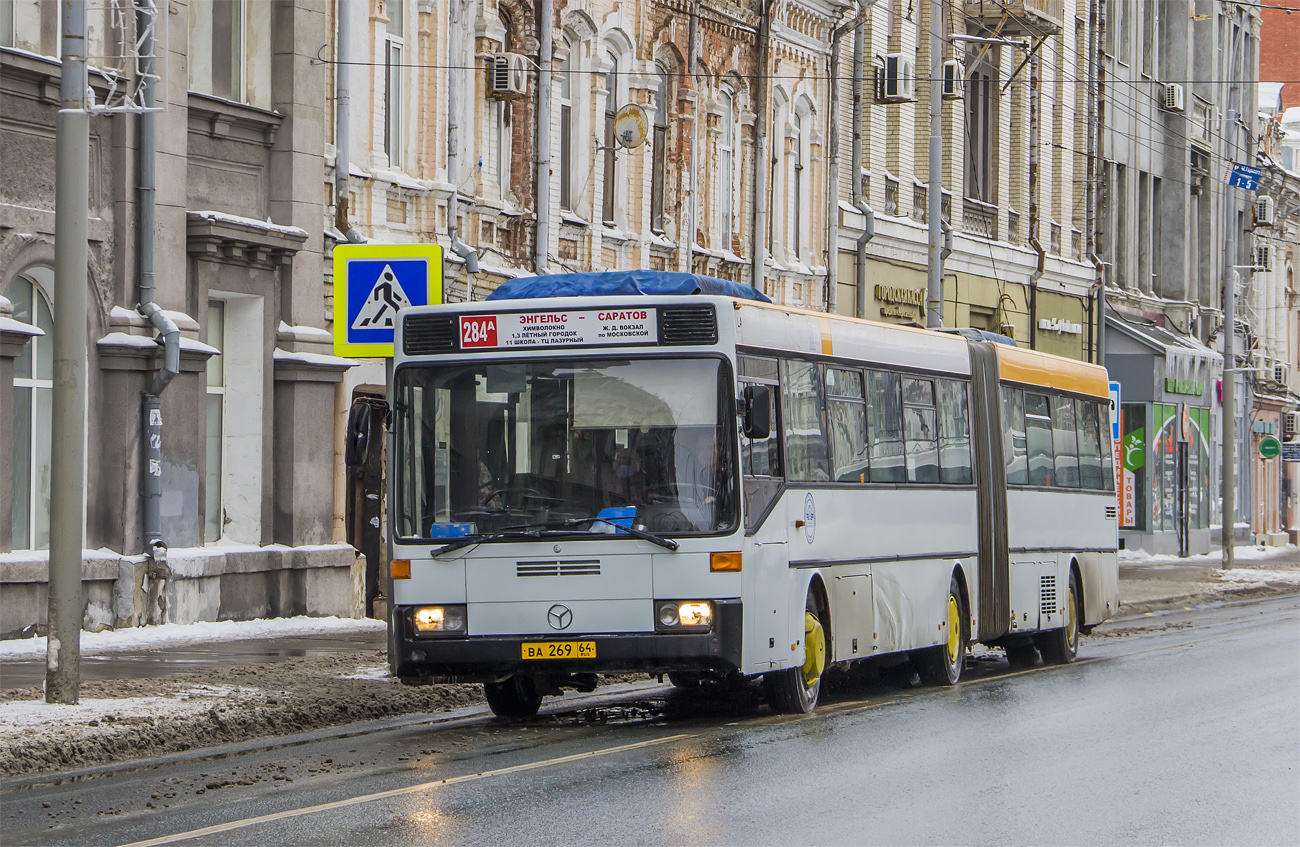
x=683, y=615
x=448, y=620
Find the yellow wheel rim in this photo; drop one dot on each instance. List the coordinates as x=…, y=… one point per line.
x=954, y=629
x=814, y=654
x=1072, y=620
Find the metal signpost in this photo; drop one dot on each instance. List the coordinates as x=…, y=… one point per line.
x=373, y=281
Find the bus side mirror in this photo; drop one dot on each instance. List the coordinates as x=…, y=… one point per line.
x=758, y=412
x=358, y=440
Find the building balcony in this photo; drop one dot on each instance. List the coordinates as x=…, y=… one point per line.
x=1018, y=17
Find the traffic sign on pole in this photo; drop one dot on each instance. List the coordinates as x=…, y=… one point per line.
x=373, y=281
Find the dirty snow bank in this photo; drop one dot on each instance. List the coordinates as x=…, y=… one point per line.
x=205, y=632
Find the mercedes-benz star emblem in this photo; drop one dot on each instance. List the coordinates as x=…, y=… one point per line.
x=559, y=616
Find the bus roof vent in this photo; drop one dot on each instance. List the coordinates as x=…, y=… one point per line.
x=688, y=324
x=423, y=335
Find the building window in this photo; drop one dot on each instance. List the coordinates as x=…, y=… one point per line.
x=502, y=134
x=393, y=43
x=797, y=187
x=1151, y=39
x=659, y=163
x=33, y=410
x=726, y=154
x=980, y=118
x=213, y=523
x=6, y=23
x=566, y=128
x=611, y=160
x=230, y=50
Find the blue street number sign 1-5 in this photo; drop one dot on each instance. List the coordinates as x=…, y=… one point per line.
x=1244, y=176
x=371, y=283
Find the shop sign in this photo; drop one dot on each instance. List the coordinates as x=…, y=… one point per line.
x=1263, y=428
x=1291, y=451
x=897, y=298
x=1184, y=386
x=1116, y=445
x=1061, y=325
x=1270, y=447
x=1134, y=459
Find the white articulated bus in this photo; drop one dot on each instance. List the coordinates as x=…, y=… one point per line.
x=711, y=487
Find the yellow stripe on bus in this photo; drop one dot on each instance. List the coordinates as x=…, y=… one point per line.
x=1032, y=367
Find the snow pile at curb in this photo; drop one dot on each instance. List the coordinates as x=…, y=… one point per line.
x=1259, y=576
x=206, y=632
x=1245, y=553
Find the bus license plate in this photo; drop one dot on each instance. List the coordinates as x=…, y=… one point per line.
x=559, y=650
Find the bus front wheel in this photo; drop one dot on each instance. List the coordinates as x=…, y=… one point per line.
x=943, y=664
x=1061, y=646
x=514, y=697
x=794, y=691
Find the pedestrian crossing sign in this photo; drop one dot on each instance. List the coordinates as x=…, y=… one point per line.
x=373, y=281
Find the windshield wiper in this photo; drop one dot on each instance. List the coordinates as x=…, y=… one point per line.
x=533, y=530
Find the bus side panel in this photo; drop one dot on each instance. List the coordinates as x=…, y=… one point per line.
x=909, y=602
x=1100, y=573
x=767, y=577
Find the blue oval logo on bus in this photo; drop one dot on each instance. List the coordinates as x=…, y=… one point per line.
x=809, y=518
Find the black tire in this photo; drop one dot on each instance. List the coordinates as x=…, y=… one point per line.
x=794, y=691
x=1061, y=646
x=944, y=663
x=1023, y=655
x=686, y=680
x=517, y=697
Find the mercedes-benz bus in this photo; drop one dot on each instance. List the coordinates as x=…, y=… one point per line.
x=714, y=487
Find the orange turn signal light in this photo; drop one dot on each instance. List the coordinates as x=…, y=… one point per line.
x=400, y=568
x=724, y=561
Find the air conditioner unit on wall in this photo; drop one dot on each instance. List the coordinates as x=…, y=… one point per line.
x=1281, y=372
x=897, y=80
x=1171, y=98
x=507, y=76
x=1263, y=258
x=1264, y=211
x=954, y=80
x=1291, y=425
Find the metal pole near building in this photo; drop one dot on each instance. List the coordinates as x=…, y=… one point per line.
x=67, y=493
x=934, y=197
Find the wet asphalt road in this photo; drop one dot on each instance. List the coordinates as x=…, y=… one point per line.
x=1174, y=729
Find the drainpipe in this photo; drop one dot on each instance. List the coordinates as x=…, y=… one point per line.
x=833, y=167
x=1035, y=71
x=469, y=254
x=761, y=155
x=859, y=201
x=546, y=46
x=343, y=124
x=151, y=406
x=692, y=60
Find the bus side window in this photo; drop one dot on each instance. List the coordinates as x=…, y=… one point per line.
x=1090, y=447
x=885, y=427
x=760, y=459
x=1107, y=450
x=921, y=429
x=1038, y=440
x=847, y=409
x=1013, y=436
x=1064, y=442
x=804, y=422
x=954, y=433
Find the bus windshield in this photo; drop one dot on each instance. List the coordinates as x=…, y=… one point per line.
x=489, y=446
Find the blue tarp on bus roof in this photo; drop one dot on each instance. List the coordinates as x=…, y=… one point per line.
x=620, y=282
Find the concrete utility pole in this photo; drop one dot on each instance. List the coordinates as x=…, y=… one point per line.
x=934, y=196
x=68, y=452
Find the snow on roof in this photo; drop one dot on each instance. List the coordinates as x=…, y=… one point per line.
x=312, y=359
x=252, y=223
x=306, y=332
x=1291, y=115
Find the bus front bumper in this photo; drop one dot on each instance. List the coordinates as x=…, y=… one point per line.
x=487, y=658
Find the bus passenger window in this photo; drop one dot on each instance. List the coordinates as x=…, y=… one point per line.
x=1107, y=454
x=1090, y=448
x=921, y=430
x=1013, y=436
x=954, y=433
x=1038, y=440
x=762, y=457
x=847, y=410
x=1064, y=442
x=885, y=427
x=805, y=435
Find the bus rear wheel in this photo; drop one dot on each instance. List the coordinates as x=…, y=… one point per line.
x=515, y=697
x=943, y=664
x=1061, y=646
x=794, y=691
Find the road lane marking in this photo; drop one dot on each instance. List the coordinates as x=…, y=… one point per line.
x=397, y=792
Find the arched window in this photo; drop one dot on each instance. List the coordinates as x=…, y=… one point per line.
x=726, y=157
x=33, y=410
x=659, y=164
x=566, y=128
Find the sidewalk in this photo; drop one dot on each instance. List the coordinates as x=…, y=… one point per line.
x=164, y=690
